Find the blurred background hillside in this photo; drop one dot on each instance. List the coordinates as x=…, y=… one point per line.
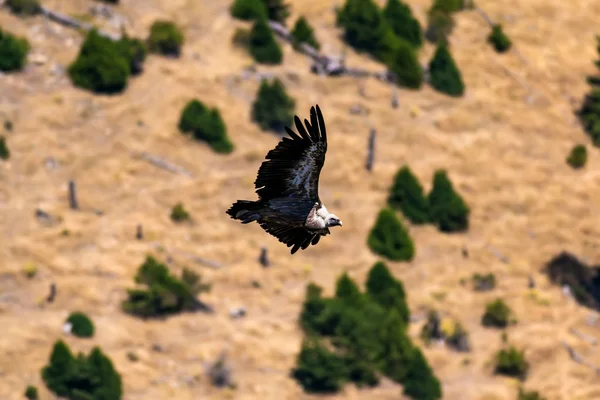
x=462, y=160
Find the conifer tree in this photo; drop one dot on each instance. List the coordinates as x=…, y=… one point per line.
x=273, y=109
x=407, y=196
x=263, y=46
x=589, y=113
x=420, y=382
x=404, y=63
x=403, y=23
x=445, y=76
x=387, y=291
x=389, y=238
x=304, y=33
x=447, y=208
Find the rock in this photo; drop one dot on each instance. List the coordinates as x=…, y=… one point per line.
x=38, y=58
x=237, y=312
x=67, y=328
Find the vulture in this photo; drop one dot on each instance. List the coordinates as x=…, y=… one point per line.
x=287, y=184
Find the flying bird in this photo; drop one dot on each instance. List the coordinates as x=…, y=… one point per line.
x=287, y=185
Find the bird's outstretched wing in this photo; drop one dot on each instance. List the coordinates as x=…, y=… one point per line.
x=292, y=168
x=296, y=237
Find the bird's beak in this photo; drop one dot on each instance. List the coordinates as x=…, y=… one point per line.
x=339, y=223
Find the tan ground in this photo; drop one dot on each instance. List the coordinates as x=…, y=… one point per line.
x=503, y=144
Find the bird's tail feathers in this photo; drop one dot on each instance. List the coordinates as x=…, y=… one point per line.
x=245, y=210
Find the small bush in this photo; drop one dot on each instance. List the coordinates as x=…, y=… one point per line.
x=511, y=362
x=484, y=283
x=248, y=10
x=497, y=314
x=432, y=329
x=13, y=52
x=439, y=26
x=241, y=38
x=403, y=23
x=407, y=195
x=263, y=46
x=304, y=33
x=578, y=157
x=445, y=76
x=447, y=208
x=206, y=125
x=498, y=39
x=273, y=109
x=277, y=10
x=4, y=152
x=81, y=325
x=24, y=7
x=101, y=66
x=165, y=38
x=179, y=214
x=31, y=393
x=319, y=370
x=81, y=377
x=389, y=238
x=448, y=6
x=459, y=339
x=165, y=293
x=135, y=51
x=529, y=395
x=404, y=64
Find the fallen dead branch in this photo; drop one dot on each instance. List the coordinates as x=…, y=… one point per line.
x=579, y=359
x=160, y=163
x=588, y=338
x=199, y=260
x=70, y=22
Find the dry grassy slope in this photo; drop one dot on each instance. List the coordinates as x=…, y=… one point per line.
x=504, y=154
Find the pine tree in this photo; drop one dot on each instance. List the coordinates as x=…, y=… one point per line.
x=319, y=370
x=205, y=125
x=4, y=152
x=13, y=52
x=445, y=76
x=396, y=347
x=389, y=238
x=387, y=291
x=347, y=290
x=273, y=109
x=249, y=10
x=420, y=382
x=263, y=46
x=403, y=23
x=407, y=196
x=277, y=10
x=304, y=33
x=404, y=63
x=498, y=39
x=61, y=367
x=589, y=113
x=447, y=209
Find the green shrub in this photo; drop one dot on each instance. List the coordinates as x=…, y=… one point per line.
x=101, y=66
x=448, y=6
x=24, y=7
x=447, y=208
x=13, y=52
x=498, y=39
x=165, y=293
x=389, y=238
x=206, y=125
x=396, y=350
x=445, y=76
x=403, y=23
x=404, y=64
x=497, y=314
x=347, y=290
x=304, y=33
x=529, y=395
x=31, y=393
x=511, y=362
x=80, y=377
x=81, y=325
x=277, y=10
x=387, y=291
x=420, y=382
x=589, y=115
x=484, y=283
x=248, y=10
x=263, y=46
x=135, y=51
x=407, y=195
x=273, y=109
x=4, y=152
x=179, y=214
x=578, y=156
x=432, y=328
x=440, y=25
x=319, y=370
x=165, y=38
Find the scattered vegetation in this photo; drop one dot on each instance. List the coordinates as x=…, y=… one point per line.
x=403, y=23
x=484, y=283
x=81, y=325
x=263, y=46
x=179, y=214
x=447, y=208
x=165, y=38
x=583, y=280
x=511, y=362
x=578, y=156
x=407, y=195
x=13, y=52
x=355, y=337
x=165, y=294
x=452, y=332
x=589, y=113
x=389, y=238
x=498, y=39
x=31, y=393
x=304, y=33
x=248, y=10
x=24, y=7
x=273, y=109
x=4, y=152
x=405, y=66
x=277, y=10
x=445, y=75
x=135, y=51
x=81, y=377
x=440, y=25
x=205, y=124
x=497, y=314
x=529, y=395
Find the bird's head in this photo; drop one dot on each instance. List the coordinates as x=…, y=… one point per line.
x=333, y=220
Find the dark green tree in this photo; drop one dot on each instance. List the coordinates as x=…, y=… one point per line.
x=445, y=75
x=4, y=152
x=589, y=113
x=205, y=125
x=407, y=195
x=61, y=368
x=389, y=238
x=273, y=109
x=81, y=325
x=249, y=10
x=529, y=395
x=263, y=46
x=179, y=213
x=448, y=6
x=277, y=10
x=387, y=291
x=318, y=369
x=403, y=23
x=420, y=382
x=396, y=348
x=440, y=25
x=511, y=362
x=347, y=290
x=31, y=393
x=404, y=64
x=304, y=33
x=165, y=38
x=498, y=39
x=578, y=156
x=497, y=314
x=135, y=51
x=447, y=208
x=13, y=52
x=24, y=7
